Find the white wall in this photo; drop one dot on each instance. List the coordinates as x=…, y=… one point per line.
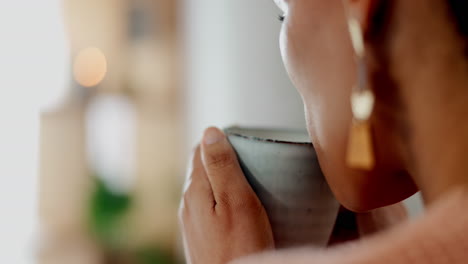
x=235, y=73
x=33, y=66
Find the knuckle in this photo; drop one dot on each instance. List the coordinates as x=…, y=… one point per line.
x=243, y=204
x=196, y=149
x=197, y=171
x=224, y=199
x=198, y=184
x=250, y=206
x=220, y=160
x=183, y=213
x=186, y=199
x=196, y=154
x=192, y=180
x=195, y=159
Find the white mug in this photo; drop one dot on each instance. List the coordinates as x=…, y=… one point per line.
x=283, y=170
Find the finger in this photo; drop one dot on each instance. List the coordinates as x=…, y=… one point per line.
x=198, y=192
x=192, y=167
x=197, y=171
x=222, y=167
x=290, y=256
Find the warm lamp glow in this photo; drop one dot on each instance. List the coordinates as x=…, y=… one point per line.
x=90, y=67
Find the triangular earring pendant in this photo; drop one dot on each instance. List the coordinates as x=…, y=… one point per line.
x=360, y=153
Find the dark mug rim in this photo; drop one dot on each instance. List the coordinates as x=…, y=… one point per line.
x=229, y=132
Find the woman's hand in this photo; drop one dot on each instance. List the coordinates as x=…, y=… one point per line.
x=222, y=219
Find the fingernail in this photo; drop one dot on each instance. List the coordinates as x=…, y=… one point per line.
x=212, y=136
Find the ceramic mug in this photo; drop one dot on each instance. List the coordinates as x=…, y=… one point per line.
x=283, y=170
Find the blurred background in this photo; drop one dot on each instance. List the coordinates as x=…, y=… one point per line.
x=101, y=105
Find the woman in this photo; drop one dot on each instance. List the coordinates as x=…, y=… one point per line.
x=404, y=66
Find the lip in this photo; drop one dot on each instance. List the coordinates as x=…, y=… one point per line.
x=234, y=131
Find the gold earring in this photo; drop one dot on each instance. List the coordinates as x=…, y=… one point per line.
x=360, y=154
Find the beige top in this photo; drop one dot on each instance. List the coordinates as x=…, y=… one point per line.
x=439, y=236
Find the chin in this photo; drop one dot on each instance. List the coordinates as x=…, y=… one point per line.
x=358, y=206
x=371, y=196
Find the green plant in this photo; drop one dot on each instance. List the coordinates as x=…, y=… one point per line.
x=108, y=210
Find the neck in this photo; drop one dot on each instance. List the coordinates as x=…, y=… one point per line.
x=438, y=114
x=434, y=90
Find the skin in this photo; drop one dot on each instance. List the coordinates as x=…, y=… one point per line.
x=221, y=216
x=418, y=73
x=322, y=67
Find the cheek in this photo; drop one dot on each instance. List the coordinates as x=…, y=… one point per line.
x=293, y=47
x=319, y=59
x=318, y=56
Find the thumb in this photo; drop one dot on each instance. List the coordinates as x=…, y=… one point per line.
x=222, y=168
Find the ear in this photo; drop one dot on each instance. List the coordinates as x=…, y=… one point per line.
x=361, y=10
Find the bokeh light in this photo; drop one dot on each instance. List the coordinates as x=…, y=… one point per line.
x=90, y=67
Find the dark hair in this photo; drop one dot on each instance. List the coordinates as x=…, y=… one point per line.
x=383, y=12
x=379, y=26
x=459, y=9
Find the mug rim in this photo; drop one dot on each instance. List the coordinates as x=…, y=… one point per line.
x=229, y=132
